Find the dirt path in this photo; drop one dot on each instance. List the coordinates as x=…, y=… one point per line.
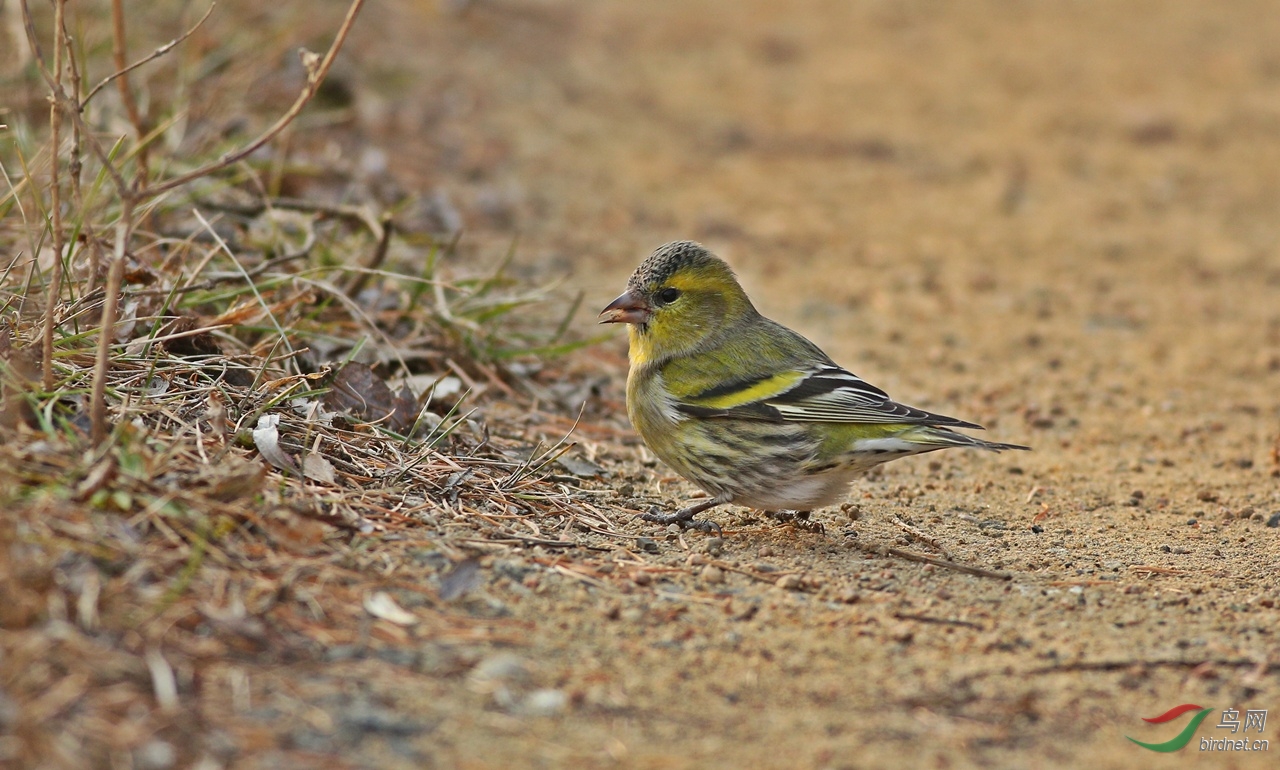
x=1057, y=220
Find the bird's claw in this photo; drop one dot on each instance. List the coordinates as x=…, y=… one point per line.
x=703, y=525
x=684, y=519
x=798, y=519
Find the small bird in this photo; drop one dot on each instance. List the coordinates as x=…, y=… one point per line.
x=747, y=409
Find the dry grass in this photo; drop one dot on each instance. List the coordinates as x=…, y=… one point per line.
x=250, y=452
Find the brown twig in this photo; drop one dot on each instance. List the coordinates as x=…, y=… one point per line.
x=75, y=166
x=924, y=537
x=316, y=72
x=121, y=73
x=1116, y=665
x=359, y=279
x=119, y=50
x=945, y=564
x=55, y=193
x=939, y=621
x=72, y=107
x=106, y=330
x=1152, y=570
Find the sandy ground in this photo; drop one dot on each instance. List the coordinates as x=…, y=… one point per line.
x=1058, y=220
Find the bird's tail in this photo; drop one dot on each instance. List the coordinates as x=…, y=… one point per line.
x=941, y=438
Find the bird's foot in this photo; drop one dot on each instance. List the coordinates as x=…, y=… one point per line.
x=797, y=519
x=684, y=518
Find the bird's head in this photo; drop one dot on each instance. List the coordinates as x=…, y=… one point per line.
x=678, y=297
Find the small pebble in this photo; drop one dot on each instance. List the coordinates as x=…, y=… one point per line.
x=545, y=703
x=712, y=574
x=633, y=614
x=1036, y=528
x=642, y=578
x=500, y=667
x=790, y=583
x=1191, y=522
x=647, y=544
x=765, y=552
x=714, y=546
x=1274, y=521
x=156, y=755
x=695, y=560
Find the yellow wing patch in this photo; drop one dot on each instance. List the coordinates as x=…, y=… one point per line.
x=756, y=391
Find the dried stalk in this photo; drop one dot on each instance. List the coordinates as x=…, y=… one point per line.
x=75, y=166
x=110, y=309
x=156, y=54
x=316, y=72
x=119, y=50
x=55, y=191
x=132, y=195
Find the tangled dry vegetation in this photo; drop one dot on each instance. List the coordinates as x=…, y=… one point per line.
x=201, y=483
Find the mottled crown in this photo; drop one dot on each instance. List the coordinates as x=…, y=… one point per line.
x=670, y=259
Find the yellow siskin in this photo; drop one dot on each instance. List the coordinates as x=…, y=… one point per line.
x=747, y=409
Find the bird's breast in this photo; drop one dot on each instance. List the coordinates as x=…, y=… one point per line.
x=649, y=404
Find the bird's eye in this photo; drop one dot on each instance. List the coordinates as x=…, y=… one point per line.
x=668, y=295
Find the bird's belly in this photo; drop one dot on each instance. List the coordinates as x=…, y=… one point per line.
x=764, y=466
x=798, y=492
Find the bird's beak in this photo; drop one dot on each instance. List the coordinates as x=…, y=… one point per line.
x=627, y=309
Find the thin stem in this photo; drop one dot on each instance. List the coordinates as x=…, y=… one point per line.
x=316, y=72
x=119, y=51
x=106, y=334
x=156, y=54
x=55, y=191
x=75, y=168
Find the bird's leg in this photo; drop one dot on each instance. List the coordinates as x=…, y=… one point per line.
x=797, y=519
x=684, y=517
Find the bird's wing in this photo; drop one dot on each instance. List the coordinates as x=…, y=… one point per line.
x=765, y=371
x=822, y=393
x=834, y=394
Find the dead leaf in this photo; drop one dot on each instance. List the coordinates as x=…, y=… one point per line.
x=19, y=373
x=232, y=478
x=461, y=579
x=186, y=337
x=580, y=467
x=380, y=605
x=360, y=393
x=266, y=437
x=317, y=468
